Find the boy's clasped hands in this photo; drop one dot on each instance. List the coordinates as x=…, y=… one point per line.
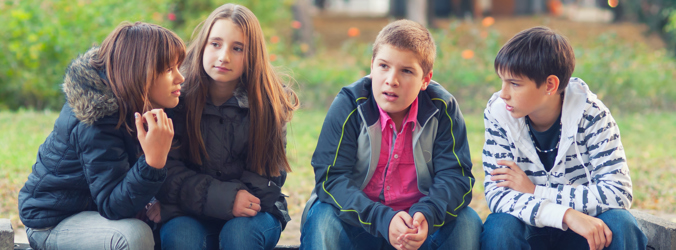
x=408, y=232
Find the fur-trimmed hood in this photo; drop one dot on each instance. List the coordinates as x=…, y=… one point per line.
x=87, y=89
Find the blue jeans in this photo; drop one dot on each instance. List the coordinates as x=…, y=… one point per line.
x=504, y=231
x=89, y=230
x=259, y=232
x=324, y=230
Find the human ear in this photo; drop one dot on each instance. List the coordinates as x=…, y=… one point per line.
x=552, y=84
x=426, y=81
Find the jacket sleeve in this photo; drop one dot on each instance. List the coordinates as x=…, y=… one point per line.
x=333, y=161
x=196, y=193
x=118, y=189
x=538, y=212
x=451, y=189
x=610, y=186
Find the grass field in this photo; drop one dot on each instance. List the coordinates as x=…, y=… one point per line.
x=648, y=141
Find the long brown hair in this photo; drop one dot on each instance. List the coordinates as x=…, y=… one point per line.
x=271, y=103
x=133, y=56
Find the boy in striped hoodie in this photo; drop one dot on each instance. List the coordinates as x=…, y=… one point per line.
x=552, y=186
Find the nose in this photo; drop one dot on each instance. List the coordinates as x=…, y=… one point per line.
x=391, y=79
x=180, y=79
x=504, y=93
x=224, y=56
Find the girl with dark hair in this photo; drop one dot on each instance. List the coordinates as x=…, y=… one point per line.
x=224, y=181
x=104, y=161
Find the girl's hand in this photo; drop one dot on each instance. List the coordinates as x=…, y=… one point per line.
x=246, y=205
x=153, y=211
x=156, y=141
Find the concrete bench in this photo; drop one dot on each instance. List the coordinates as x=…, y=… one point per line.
x=661, y=233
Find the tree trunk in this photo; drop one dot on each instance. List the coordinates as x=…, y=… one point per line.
x=416, y=10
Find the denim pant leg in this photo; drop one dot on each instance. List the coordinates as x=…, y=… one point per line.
x=187, y=232
x=324, y=230
x=259, y=232
x=626, y=233
x=504, y=231
x=89, y=230
x=462, y=233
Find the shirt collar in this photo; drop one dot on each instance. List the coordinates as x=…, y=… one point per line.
x=385, y=118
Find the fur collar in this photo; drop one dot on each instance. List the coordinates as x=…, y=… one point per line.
x=87, y=89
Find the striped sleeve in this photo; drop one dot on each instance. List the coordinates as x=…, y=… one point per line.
x=533, y=211
x=603, y=156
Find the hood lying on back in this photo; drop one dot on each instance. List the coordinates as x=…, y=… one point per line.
x=87, y=90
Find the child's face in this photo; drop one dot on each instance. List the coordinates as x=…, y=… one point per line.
x=223, y=58
x=522, y=95
x=397, y=79
x=166, y=88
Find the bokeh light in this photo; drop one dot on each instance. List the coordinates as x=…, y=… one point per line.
x=488, y=21
x=296, y=25
x=467, y=54
x=353, y=32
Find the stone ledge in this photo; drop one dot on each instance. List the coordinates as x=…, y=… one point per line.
x=287, y=247
x=6, y=234
x=660, y=232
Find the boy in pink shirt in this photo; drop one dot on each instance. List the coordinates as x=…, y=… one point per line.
x=392, y=164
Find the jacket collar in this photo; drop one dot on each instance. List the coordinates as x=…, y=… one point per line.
x=577, y=96
x=87, y=90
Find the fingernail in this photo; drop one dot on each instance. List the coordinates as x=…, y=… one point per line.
x=136, y=115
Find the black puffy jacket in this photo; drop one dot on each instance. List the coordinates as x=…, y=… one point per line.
x=209, y=191
x=86, y=164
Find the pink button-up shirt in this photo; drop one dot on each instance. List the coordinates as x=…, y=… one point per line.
x=395, y=176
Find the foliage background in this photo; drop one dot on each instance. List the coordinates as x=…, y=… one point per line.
x=38, y=39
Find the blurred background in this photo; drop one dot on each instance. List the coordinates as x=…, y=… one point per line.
x=625, y=51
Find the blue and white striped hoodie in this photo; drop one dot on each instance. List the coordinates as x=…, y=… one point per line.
x=590, y=173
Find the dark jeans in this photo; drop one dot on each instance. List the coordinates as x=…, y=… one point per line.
x=504, y=231
x=259, y=232
x=324, y=230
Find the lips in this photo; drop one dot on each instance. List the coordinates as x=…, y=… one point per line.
x=176, y=92
x=222, y=69
x=390, y=96
x=509, y=108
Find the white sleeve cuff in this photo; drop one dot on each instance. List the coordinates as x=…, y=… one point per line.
x=543, y=192
x=551, y=215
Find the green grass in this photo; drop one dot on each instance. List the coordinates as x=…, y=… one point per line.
x=648, y=141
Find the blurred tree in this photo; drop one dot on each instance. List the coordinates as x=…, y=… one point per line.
x=41, y=37
x=657, y=14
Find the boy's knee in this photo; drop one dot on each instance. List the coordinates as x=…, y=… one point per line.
x=624, y=226
x=322, y=216
x=469, y=221
x=500, y=225
x=322, y=227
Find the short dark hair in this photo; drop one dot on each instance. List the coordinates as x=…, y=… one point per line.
x=409, y=35
x=537, y=53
